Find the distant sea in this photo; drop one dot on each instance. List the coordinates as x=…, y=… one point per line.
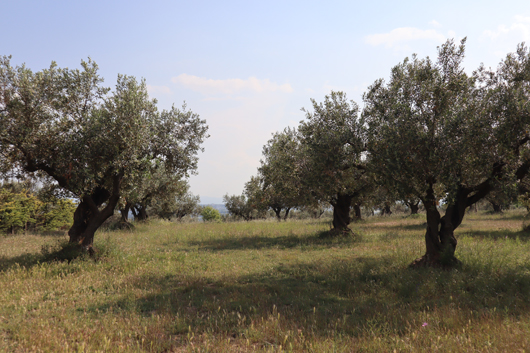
x=209, y=200
x=218, y=206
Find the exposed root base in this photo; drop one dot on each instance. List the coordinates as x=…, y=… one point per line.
x=70, y=251
x=335, y=233
x=125, y=225
x=436, y=262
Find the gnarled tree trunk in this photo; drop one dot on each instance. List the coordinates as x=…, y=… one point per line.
x=88, y=217
x=341, y=212
x=440, y=240
x=414, y=206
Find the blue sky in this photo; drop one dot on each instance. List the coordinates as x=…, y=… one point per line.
x=247, y=67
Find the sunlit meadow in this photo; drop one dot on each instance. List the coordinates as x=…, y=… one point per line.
x=271, y=287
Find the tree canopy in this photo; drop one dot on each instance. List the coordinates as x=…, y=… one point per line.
x=332, y=165
x=438, y=133
x=279, y=178
x=94, y=142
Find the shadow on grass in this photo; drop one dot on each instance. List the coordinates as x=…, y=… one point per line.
x=61, y=251
x=490, y=216
x=394, y=227
x=24, y=260
x=367, y=295
x=29, y=259
x=498, y=234
x=281, y=242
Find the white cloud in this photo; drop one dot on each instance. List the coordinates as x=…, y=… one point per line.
x=398, y=36
x=230, y=86
x=153, y=90
x=519, y=28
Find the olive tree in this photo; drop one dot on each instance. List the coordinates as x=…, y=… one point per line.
x=442, y=135
x=280, y=183
x=93, y=142
x=178, y=202
x=331, y=159
x=146, y=189
x=239, y=206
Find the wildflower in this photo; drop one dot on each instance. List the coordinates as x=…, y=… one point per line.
x=424, y=324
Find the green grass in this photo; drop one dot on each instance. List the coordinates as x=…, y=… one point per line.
x=268, y=286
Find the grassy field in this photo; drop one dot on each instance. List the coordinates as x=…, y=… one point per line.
x=268, y=286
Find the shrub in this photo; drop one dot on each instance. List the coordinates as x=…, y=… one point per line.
x=210, y=214
x=25, y=210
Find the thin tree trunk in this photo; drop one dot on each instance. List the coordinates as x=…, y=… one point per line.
x=277, y=211
x=496, y=207
x=357, y=211
x=286, y=213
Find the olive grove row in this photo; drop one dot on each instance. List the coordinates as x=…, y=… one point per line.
x=431, y=133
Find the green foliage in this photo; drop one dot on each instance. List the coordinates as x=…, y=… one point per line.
x=279, y=181
x=239, y=206
x=432, y=123
x=179, y=207
x=56, y=214
x=439, y=134
x=333, y=141
x=159, y=192
x=93, y=142
x=210, y=214
x=17, y=210
x=21, y=209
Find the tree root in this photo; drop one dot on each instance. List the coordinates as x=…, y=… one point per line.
x=336, y=233
x=436, y=262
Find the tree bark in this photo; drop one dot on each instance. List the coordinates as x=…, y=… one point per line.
x=496, y=207
x=277, y=211
x=140, y=213
x=414, y=207
x=88, y=217
x=357, y=211
x=125, y=212
x=286, y=213
x=439, y=237
x=341, y=212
